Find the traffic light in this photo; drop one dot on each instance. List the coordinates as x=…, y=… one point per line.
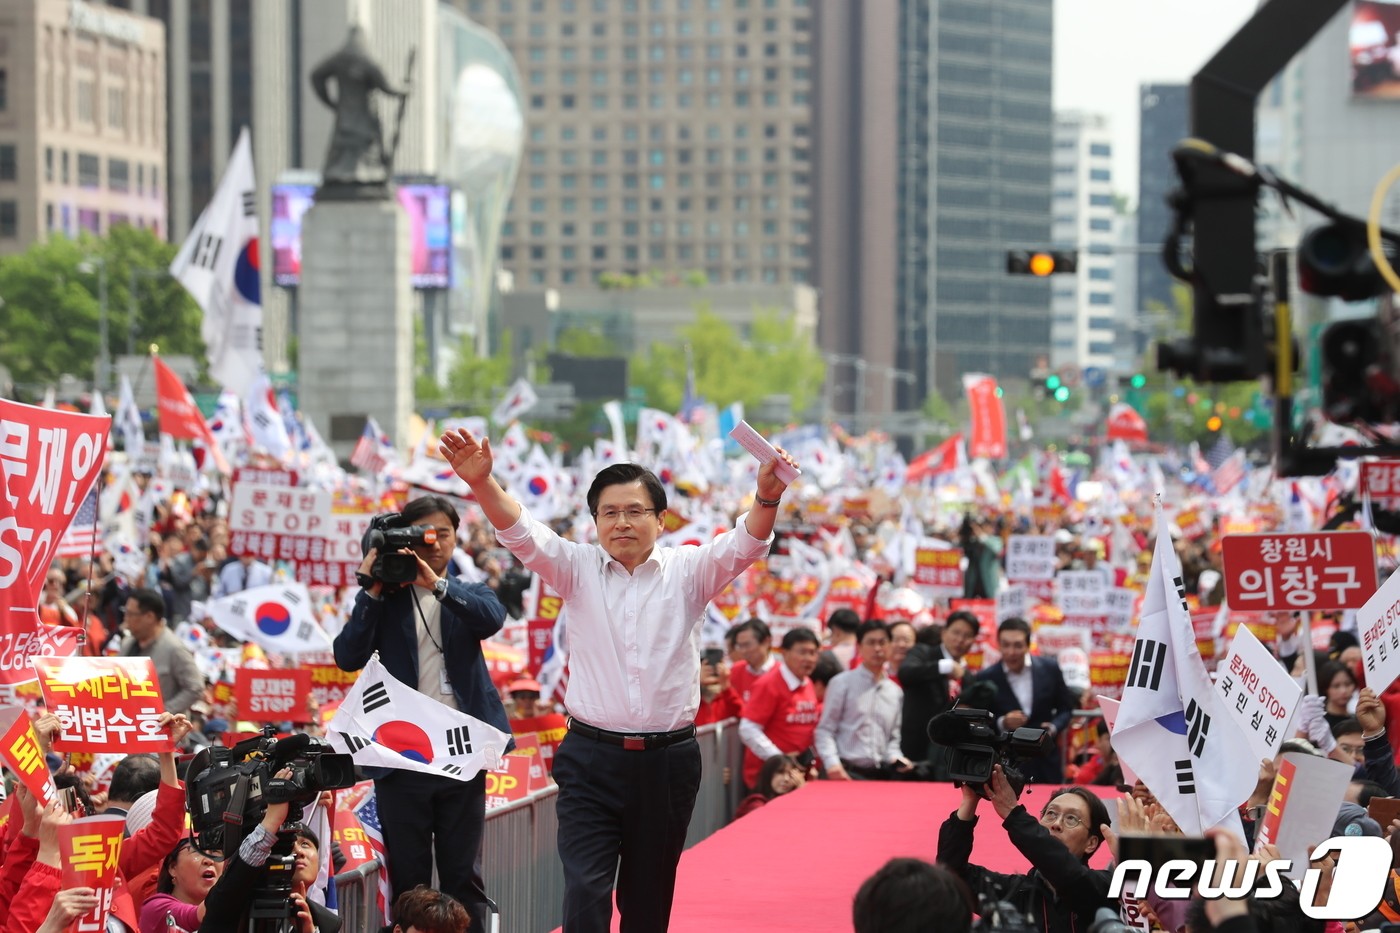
x=1358, y=378
x=1334, y=260
x=1213, y=423
x=1041, y=262
x=1052, y=383
x=1138, y=381
x=1062, y=394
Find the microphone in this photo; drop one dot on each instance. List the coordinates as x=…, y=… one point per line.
x=291, y=746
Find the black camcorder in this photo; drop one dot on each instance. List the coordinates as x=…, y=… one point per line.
x=389, y=534
x=972, y=745
x=229, y=789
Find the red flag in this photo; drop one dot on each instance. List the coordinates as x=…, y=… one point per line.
x=941, y=459
x=1125, y=424
x=988, y=417
x=179, y=416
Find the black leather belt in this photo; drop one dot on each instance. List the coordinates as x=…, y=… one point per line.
x=638, y=742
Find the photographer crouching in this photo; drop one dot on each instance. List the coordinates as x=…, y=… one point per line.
x=428, y=631
x=1061, y=893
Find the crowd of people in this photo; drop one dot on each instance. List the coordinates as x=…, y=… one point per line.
x=844, y=695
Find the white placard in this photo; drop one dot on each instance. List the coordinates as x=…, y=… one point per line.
x=279, y=510
x=1303, y=806
x=1258, y=693
x=1378, y=627
x=1030, y=557
x=1081, y=592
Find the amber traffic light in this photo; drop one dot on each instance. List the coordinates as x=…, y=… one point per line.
x=1041, y=262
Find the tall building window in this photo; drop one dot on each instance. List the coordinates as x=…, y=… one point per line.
x=4, y=91
x=9, y=220
x=48, y=164
x=116, y=108
x=9, y=171
x=65, y=166
x=87, y=110
x=89, y=170
x=118, y=175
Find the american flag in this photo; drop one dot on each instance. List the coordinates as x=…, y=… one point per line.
x=373, y=451
x=1229, y=473
x=368, y=814
x=83, y=533
x=1220, y=451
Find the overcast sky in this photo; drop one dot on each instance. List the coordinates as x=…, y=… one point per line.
x=1105, y=49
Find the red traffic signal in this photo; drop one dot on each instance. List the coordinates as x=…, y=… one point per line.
x=1041, y=262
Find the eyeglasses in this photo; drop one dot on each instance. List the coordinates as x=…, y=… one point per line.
x=632, y=515
x=1351, y=749
x=1067, y=820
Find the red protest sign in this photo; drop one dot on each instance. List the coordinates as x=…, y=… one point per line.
x=104, y=704
x=272, y=696
x=19, y=748
x=508, y=783
x=528, y=744
x=940, y=568
x=89, y=850
x=1313, y=570
x=1381, y=479
x=549, y=729
x=329, y=683
x=50, y=459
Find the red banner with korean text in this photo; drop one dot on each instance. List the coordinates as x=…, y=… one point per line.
x=988, y=436
x=1321, y=570
x=550, y=729
x=104, y=704
x=529, y=746
x=1381, y=480
x=89, y=851
x=19, y=748
x=510, y=782
x=938, y=568
x=273, y=695
x=49, y=461
x=541, y=629
x=329, y=683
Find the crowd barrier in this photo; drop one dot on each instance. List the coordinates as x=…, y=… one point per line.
x=523, y=873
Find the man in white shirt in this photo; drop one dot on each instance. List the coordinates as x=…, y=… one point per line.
x=242, y=574
x=629, y=769
x=858, y=736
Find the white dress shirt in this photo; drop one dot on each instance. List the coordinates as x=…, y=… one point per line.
x=634, y=639
x=860, y=721
x=1023, y=687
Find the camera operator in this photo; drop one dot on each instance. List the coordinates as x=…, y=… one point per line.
x=429, y=636
x=1060, y=893
x=225, y=907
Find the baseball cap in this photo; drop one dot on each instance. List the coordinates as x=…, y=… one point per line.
x=1352, y=820
x=523, y=685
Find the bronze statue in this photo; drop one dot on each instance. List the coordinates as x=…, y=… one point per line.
x=358, y=164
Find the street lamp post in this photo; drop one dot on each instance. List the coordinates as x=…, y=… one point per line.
x=104, y=355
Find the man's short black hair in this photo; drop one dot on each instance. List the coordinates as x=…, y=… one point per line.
x=797, y=636
x=148, y=600
x=757, y=626
x=828, y=666
x=962, y=615
x=1349, y=725
x=872, y=626
x=424, y=506
x=134, y=776
x=845, y=620
x=908, y=895
x=1366, y=790
x=1098, y=811
x=620, y=474
x=1014, y=624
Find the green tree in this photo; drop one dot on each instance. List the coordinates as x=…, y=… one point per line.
x=773, y=361
x=51, y=318
x=475, y=380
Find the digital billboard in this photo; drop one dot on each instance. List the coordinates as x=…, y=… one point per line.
x=429, y=210
x=1375, y=51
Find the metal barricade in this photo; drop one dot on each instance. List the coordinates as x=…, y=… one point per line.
x=357, y=898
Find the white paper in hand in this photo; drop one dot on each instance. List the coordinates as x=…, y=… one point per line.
x=756, y=444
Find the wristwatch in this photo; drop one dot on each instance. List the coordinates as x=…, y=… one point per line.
x=440, y=588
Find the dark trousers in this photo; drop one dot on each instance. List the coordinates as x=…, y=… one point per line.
x=629, y=805
x=427, y=814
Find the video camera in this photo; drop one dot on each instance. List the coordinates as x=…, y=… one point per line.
x=389, y=534
x=229, y=789
x=972, y=745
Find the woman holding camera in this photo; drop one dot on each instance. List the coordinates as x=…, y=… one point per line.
x=1061, y=893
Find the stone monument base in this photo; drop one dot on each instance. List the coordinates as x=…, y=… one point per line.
x=355, y=320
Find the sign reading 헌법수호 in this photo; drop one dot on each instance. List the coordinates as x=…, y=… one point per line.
x=104, y=704
x=1322, y=570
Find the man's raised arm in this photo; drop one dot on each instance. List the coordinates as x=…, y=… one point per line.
x=472, y=461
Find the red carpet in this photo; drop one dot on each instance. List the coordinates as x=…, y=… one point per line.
x=796, y=863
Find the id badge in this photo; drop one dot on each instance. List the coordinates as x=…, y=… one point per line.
x=444, y=685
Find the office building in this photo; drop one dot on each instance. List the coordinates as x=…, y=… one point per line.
x=82, y=121
x=660, y=136
x=1162, y=124
x=932, y=160
x=1083, y=322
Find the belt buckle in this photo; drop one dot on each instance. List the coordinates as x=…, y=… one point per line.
x=634, y=743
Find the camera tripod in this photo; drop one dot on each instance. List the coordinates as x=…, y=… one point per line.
x=271, y=908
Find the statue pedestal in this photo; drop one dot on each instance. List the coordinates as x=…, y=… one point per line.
x=355, y=320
